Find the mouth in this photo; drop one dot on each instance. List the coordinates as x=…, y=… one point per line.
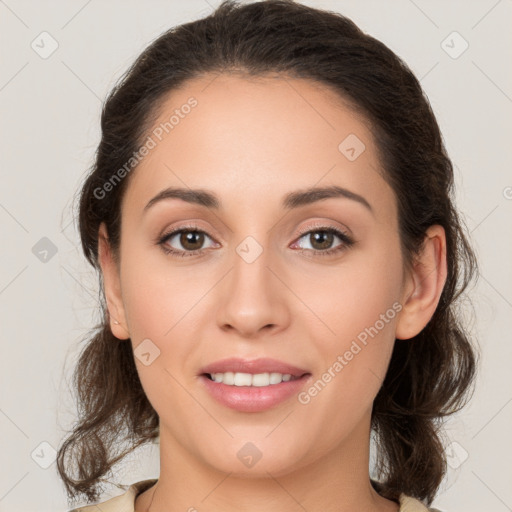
x=252, y=386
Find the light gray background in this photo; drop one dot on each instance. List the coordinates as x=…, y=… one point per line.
x=50, y=112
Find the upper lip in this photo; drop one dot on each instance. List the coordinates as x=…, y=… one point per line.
x=253, y=366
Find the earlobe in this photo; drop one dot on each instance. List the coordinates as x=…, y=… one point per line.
x=424, y=285
x=112, y=287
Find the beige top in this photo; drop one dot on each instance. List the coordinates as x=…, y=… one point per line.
x=126, y=501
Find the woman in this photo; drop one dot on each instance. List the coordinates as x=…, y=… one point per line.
x=271, y=215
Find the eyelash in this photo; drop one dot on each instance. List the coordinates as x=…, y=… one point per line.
x=347, y=241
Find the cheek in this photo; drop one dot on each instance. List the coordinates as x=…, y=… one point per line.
x=359, y=307
x=162, y=313
x=359, y=294
x=160, y=306
x=157, y=296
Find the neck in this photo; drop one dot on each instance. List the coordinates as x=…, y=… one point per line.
x=336, y=482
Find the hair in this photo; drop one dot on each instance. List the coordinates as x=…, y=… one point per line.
x=431, y=375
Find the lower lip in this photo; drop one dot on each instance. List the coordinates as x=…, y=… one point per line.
x=253, y=398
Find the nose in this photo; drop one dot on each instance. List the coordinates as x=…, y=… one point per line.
x=252, y=298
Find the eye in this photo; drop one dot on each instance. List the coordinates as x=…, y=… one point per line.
x=190, y=238
x=321, y=239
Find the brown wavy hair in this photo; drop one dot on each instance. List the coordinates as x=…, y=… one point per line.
x=431, y=375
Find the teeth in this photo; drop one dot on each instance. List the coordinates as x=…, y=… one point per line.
x=249, y=379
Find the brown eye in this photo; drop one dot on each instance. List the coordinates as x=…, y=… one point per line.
x=191, y=240
x=321, y=240
x=185, y=241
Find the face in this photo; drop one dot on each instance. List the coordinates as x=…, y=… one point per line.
x=316, y=282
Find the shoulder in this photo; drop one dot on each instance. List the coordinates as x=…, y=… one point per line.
x=408, y=504
x=123, y=503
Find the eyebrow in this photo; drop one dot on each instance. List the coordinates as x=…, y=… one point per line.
x=291, y=200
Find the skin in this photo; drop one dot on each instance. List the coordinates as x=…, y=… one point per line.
x=251, y=142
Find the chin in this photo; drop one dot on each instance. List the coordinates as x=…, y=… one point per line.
x=251, y=460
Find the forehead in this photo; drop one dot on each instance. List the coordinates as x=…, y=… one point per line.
x=244, y=137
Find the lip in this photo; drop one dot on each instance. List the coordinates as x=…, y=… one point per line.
x=253, y=366
x=253, y=398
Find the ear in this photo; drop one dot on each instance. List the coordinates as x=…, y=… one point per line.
x=424, y=285
x=111, y=282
